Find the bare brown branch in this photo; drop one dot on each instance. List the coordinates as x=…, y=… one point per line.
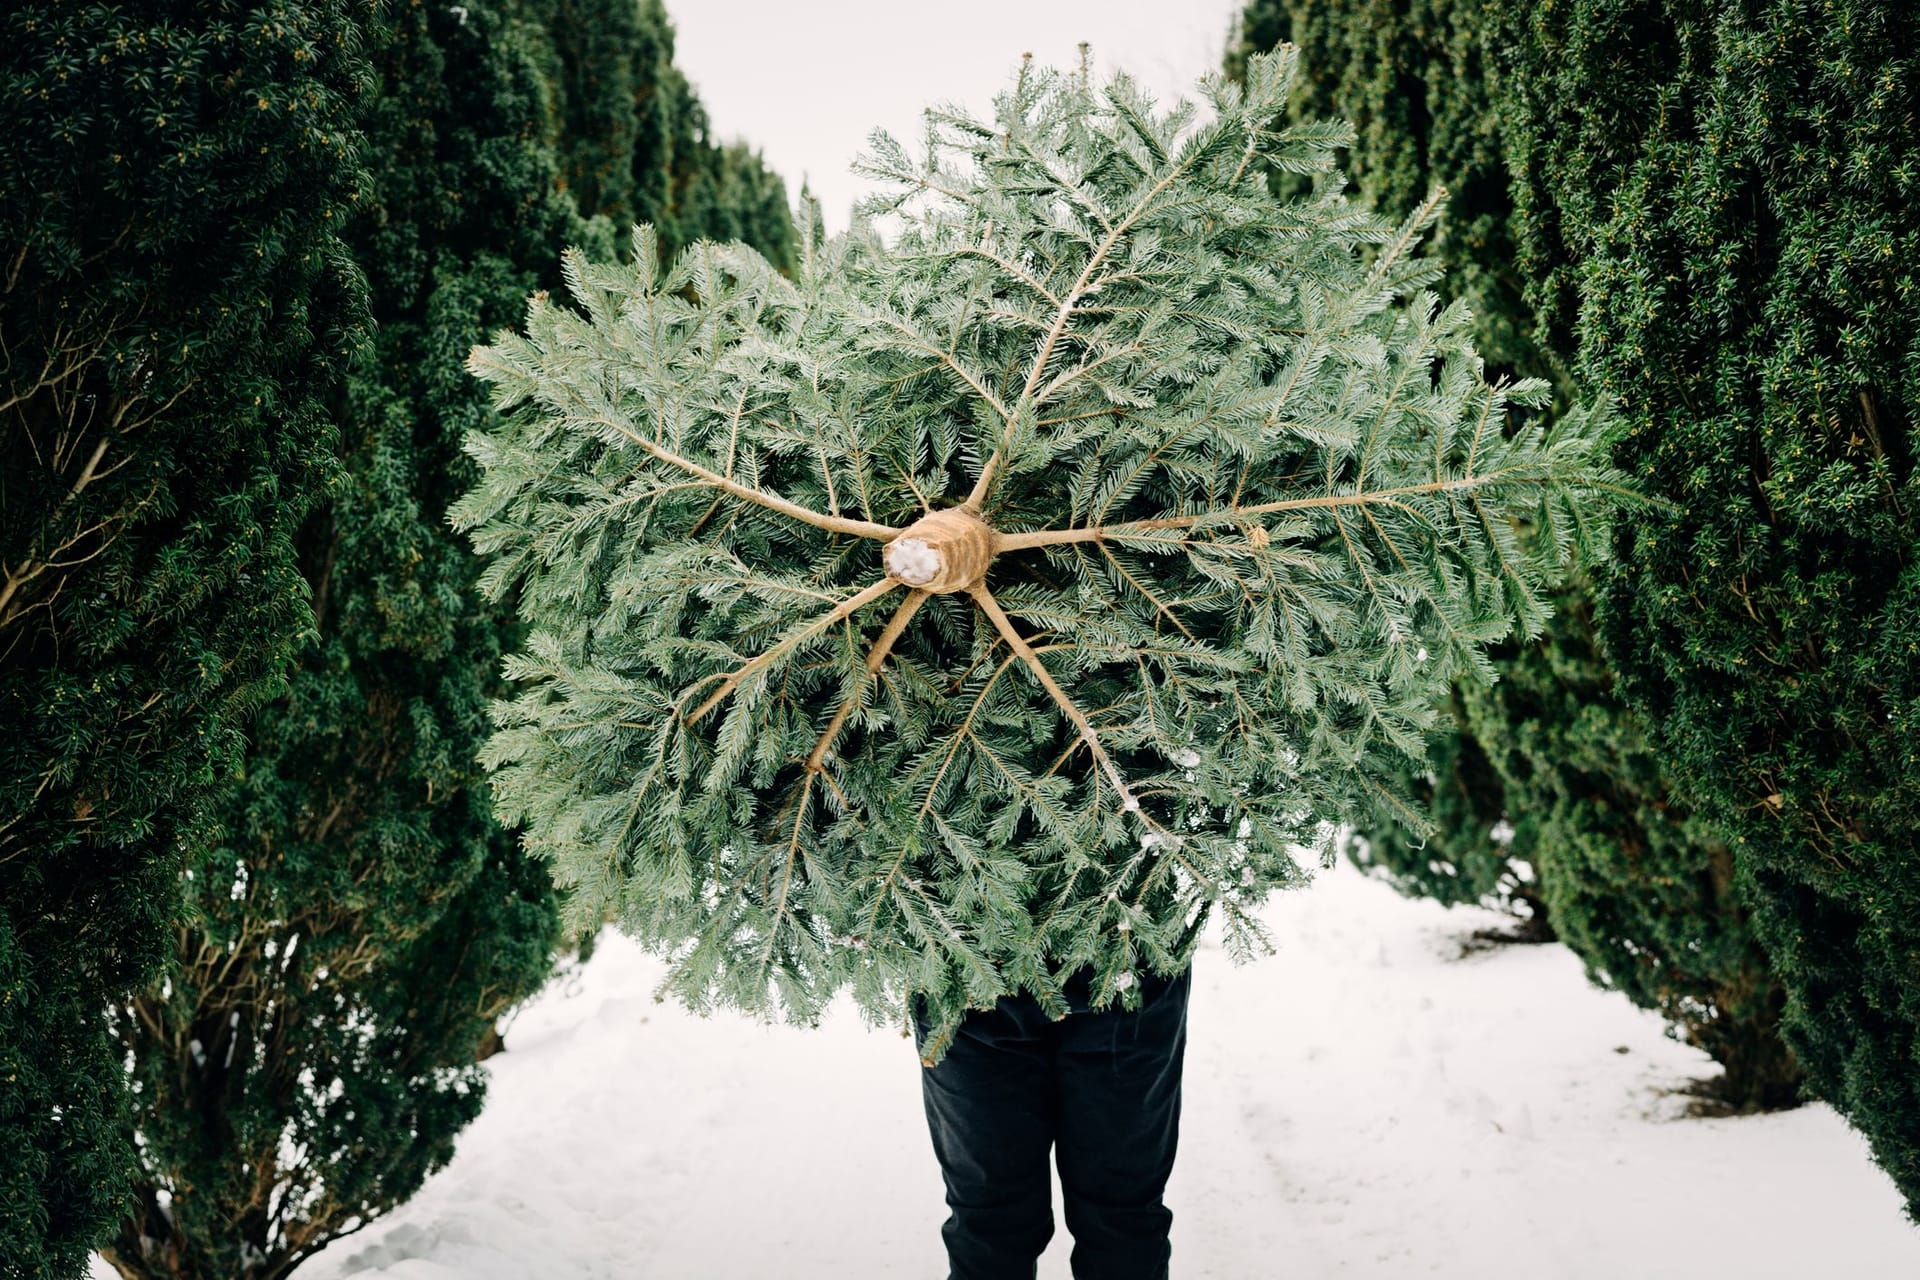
x=1005, y=542
x=845, y=608
x=882, y=646
x=1008, y=632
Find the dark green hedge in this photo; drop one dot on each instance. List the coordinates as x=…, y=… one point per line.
x=1735, y=252
x=175, y=307
x=1711, y=215
x=634, y=140
x=1640, y=888
x=1546, y=796
x=361, y=923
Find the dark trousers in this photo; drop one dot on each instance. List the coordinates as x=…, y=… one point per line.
x=1103, y=1090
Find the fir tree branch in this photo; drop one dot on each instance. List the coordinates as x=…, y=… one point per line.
x=959, y=734
x=984, y=485
x=1409, y=234
x=1005, y=542
x=786, y=871
x=1004, y=625
x=1009, y=266
x=1158, y=604
x=773, y=502
x=882, y=646
x=482, y=362
x=733, y=679
x=919, y=342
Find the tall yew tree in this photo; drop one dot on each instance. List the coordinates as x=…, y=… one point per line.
x=362, y=922
x=1418, y=81
x=1713, y=217
x=175, y=305
x=1718, y=202
x=635, y=144
x=1547, y=791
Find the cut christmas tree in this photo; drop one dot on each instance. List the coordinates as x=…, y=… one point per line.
x=1014, y=595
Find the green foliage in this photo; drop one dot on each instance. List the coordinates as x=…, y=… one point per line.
x=1253, y=506
x=1554, y=793
x=1639, y=887
x=361, y=922
x=605, y=63
x=634, y=141
x=1474, y=849
x=1415, y=78
x=175, y=306
x=1420, y=83
x=1712, y=212
x=1720, y=199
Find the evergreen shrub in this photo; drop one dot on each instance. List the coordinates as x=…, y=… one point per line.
x=1640, y=888
x=358, y=921
x=362, y=923
x=1717, y=203
x=1555, y=794
x=1420, y=84
x=175, y=305
x=634, y=139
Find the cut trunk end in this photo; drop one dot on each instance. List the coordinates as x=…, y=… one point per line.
x=941, y=553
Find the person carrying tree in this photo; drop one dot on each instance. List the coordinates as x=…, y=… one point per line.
x=970, y=620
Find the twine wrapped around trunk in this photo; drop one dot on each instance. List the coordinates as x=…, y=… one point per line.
x=942, y=552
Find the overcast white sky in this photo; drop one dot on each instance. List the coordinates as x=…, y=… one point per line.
x=806, y=82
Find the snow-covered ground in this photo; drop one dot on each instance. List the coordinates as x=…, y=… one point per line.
x=1365, y=1103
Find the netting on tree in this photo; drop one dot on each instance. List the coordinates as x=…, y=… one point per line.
x=1013, y=596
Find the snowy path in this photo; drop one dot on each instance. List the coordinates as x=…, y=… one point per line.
x=1364, y=1104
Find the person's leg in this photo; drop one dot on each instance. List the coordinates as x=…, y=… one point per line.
x=1117, y=1076
x=989, y=1108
